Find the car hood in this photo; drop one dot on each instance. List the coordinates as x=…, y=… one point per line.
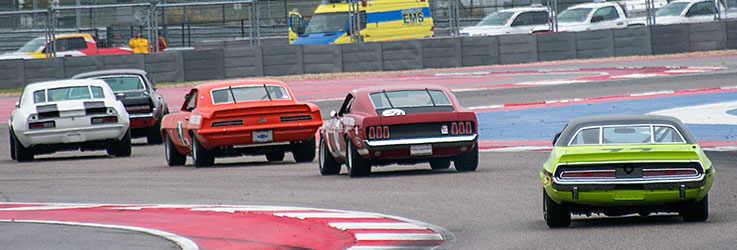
x=643, y=152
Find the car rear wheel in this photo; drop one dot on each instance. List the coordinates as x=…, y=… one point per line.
x=697, y=211
x=439, y=164
x=469, y=161
x=305, y=151
x=173, y=157
x=275, y=156
x=121, y=148
x=22, y=154
x=201, y=156
x=12, y=144
x=328, y=165
x=555, y=215
x=153, y=135
x=357, y=166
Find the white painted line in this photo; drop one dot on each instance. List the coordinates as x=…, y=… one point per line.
x=487, y=107
x=326, y=215
x=684, y=71
x=721, y=148
x=635, y=76
x=369, y=225
x=53, y=207
x=653, y=93
x=556, y=82
x=184, y=243
x=397, y=236
x=391, y=248
x=248, y=209
x=325, y=99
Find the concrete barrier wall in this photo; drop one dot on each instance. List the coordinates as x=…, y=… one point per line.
x=731, y=27
x=203, y=64
x=593, y=44
x=632, y=41
x=517, y=49
x=556, y=46
x=11, y=74
x=362, y=57
x=322, y=58
x=236, y=59
x=402, y=55
x=707, y=36
x=282, y=60
x=477, y=51
x=441, y=53
x=242, y=62
x=669, y=39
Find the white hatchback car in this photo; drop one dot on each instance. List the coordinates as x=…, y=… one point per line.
x=523, y=20
x=62, y=115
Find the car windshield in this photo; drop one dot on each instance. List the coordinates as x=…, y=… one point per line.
x=249, y=93
x=671, y=9
x=496, y=19
x=627, y=134
x=409, y=98
x=68, y=93
x=33, y=45
x=574, y=15
x=124, y=83
x=328, y=22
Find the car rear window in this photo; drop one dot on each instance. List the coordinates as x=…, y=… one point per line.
x=627, y=134
x=68, y=93
x=409, y=98
x=124, y=83
x=249, y=93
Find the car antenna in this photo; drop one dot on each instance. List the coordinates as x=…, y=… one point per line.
x=431, y=99
x=231, y=94
x=387, y=98
x=267, y=93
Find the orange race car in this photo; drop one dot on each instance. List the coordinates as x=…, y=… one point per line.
x=240, y=117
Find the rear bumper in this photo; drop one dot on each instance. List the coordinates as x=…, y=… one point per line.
x=219, y=137
x=142, y=122
x=72, y=135
x=401, y=148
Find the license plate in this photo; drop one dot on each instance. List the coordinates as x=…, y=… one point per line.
x=422, y=149
x=263, y=136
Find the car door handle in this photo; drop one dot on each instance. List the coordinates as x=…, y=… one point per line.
x=186, y=118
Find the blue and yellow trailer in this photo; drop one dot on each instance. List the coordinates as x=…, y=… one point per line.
x=380, y=20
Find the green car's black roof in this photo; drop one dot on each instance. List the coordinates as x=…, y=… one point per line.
x=588, y=121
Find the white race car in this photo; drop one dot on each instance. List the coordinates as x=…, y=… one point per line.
x=61, y=115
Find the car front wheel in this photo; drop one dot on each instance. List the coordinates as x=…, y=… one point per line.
x=328, y=165
x=121, y=148
x=556, y=215
x=469, y=161
x=201, y=156
x=173, y=157
x=357, y=166
x=697, y=211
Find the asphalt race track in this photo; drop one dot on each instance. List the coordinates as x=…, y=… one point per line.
x=520, y=108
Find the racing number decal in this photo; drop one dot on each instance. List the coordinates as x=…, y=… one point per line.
x=412, y=16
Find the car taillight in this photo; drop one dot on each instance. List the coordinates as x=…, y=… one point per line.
x=106, y=119
x=386, y=132
x=454, y=129
x=372, y=133
x=469, y=128
x=378, y=132
x=668, y=172
x=138, y=109
x=38, y=125
x=588, y=174
x=461, y=128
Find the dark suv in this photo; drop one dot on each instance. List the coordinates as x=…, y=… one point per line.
x=137, y=92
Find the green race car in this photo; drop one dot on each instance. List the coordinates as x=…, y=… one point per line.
x=625, y=164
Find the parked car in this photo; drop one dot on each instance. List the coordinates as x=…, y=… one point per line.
x=68, y=115
x=403, y=124
x=240, y=117
x=523, y=20
x=138, y=93
x=67, y=45
x=594, y=16
x=688, y=11
x=625, y=164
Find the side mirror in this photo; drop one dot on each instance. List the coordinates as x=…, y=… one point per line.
x=17, y=104
x=555, y=139
x=119, y=96
x=333, y=113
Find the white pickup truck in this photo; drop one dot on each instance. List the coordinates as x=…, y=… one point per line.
x=688, y=11
x=522, y=20
x=595, y=16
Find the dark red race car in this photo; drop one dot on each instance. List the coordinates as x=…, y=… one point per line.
x=403, y=124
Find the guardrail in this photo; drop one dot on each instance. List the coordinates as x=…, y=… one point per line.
x=235, y=60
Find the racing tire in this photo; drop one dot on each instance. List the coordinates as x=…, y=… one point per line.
x=357, y=166
x=469, y=161
x=201, y=156
x=275, y=156
x=556, y=215
x=439, y=164
x=121, y=148
x=153, y=135
x=173, y=157
x=328, y=165
x=22, y=154
x=12, y=144
x=697, y=211
x=305, y=151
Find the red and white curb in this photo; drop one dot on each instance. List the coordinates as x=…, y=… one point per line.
x=241, y=227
